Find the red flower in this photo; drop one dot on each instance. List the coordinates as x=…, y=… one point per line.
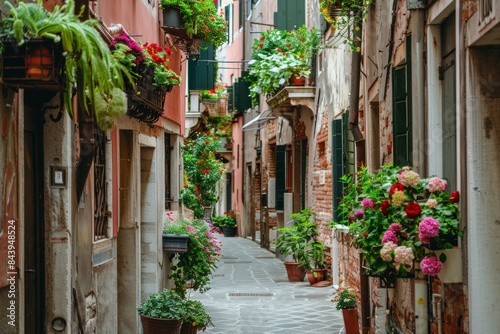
x=186, y=186
x=261, y=44
x=279, y=50
x=396, y=186
x=412, y=210
x=288, y=45
x=385, y=205
x=454, y=197
x=262, y=38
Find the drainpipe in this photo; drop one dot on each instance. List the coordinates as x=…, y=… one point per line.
x=436, y=310
x=355, y=78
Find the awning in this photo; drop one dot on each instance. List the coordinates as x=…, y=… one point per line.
x=258, y=122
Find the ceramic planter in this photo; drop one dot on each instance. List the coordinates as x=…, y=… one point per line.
x=350, y=316
x=229, y=231
x=160, y=326
x=294, y=271
x=316, y=275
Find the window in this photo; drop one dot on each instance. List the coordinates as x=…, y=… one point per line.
x=401, y=111
x=100, y=194
x=168, y=171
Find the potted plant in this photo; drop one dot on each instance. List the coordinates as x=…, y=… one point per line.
x=346, y=16
x=294, y=241
x=202, y=171
x=196, y=318
x=347, y=299
x=215, y=100
x=89, y=64
x=200, y=19
x=278, y=55
x=163, y=313
x=315, y=264
x=195, y=266
x=227, y=222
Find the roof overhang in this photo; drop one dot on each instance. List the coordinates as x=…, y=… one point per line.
x=258, y=122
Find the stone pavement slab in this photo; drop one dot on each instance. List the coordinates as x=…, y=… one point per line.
x=250, y=294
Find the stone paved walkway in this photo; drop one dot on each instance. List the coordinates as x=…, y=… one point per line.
x=250, y=294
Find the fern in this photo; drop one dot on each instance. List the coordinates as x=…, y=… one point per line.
x=90, y=65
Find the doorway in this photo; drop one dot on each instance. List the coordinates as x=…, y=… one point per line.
x=34, y=255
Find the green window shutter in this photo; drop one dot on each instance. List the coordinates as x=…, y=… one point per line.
x=348, y=146
x=237, y=96
x=401, y=103
x=303, y=166
x=246, y=100
x=227, y=13
x=230, y=99
x=337, y=165
x=290, y=14
x=280, y=176
x=201, y=75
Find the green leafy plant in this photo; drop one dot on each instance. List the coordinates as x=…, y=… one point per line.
x=228, y=219
x=196, y=315
x=198, y=262
x=202, y=172
x=295, y=239
x=315, y=256
x=397, y=218
x=165, y=305
x=347, y=17
x=279, y=54
x=89, y=64
x=201, y=19
x=219, y=92
x=346, y=298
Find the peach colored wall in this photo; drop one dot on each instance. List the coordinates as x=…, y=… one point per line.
x=145, y=26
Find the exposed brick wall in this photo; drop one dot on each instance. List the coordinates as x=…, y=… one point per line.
x=321, y=196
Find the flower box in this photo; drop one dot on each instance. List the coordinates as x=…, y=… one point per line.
x=146, y=101
x=37, y=64
x=175, y=243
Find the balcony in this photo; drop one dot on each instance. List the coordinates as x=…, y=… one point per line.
x=291, y=96
x=484, y=26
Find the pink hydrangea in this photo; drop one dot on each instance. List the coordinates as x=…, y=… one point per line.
x=408, y=178
x=389, y=236
x=367, y=203
x=395, y=227
x=403, y=256
x=359, y=214
x=437, y=185
x=431, y=265
x=428, y=228
x=386, y=251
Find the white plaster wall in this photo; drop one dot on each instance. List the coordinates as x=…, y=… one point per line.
x=60, y=210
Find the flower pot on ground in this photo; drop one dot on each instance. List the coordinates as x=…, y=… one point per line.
x=315, y=275
x=227, y=223
x=347, y=299
x=196, y=318
x=294, y=271
x=294, y=240
x=162, y=313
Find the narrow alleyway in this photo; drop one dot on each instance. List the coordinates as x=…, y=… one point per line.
x=250, y=294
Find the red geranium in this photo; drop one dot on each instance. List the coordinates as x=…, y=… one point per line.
x=385, y=205
x=454, y=197
x=396, y=186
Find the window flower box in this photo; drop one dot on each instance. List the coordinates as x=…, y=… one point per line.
x=175, y=243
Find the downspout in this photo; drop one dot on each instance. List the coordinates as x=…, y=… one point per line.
x=356, y=132
x=354, y=97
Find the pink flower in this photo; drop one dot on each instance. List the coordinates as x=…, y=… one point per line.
x=431, y=203
x=437, y=185
x=395, y=227
x=428, y=228
x=403, y=256
x=408, y=178
x=431, y=265
x=389, y=236
x=359, y=214
x=367, y=203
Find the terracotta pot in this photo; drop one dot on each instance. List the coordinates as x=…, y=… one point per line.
x=316, y=275
x=294, y=271
x=160, y=326
x=297, y=81
x=351, y=325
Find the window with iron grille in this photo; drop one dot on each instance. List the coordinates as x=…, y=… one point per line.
x=100, y=195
